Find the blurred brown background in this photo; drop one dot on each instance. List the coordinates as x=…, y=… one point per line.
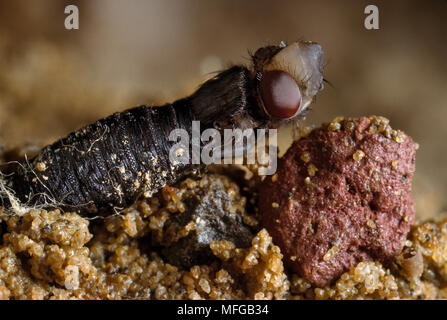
x=132, y=52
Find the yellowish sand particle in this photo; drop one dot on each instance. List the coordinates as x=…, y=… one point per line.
x=305, y=157
x=223, y=249
x=307, y=180
x=383, y=119
x=71, y=277
x=399, y=138
x=334, y=126
x=259, y=296
x=274, y=177
x=41, y=166
x=187, y=280
x=231, y=192
x=275, y=205
x=290, y=204
x=372, y=129
x=147, y=194
x=371, y=224
x=331, y=253
x=350, y=125
x=358, y=155
x=311, y=170
x=204, y=284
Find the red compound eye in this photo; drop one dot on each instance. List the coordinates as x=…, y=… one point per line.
x=280, y=94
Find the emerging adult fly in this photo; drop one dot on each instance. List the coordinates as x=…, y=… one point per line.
x=113, y=161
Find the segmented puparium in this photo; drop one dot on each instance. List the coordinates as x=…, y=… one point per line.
x=117, y=159
x=113, y=161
